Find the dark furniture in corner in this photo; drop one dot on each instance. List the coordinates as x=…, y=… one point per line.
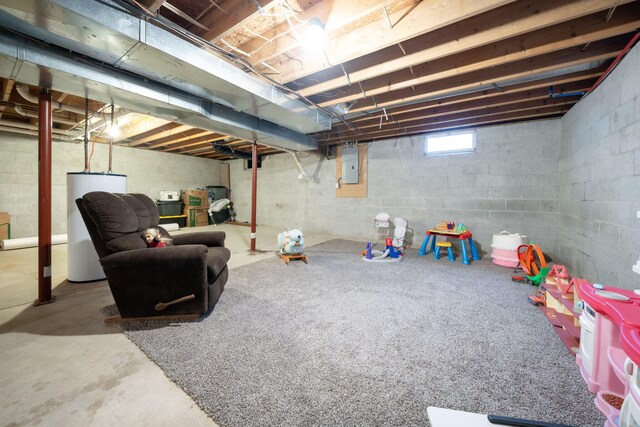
x=180, y=281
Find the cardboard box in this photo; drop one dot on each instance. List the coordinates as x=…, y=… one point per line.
x=195, y=198
x=196, y=217
x=5, y=226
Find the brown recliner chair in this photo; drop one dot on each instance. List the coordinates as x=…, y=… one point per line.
x=180, y=281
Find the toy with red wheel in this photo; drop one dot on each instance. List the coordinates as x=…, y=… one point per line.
x=533, y=263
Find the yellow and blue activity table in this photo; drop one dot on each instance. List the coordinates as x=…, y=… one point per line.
x=460, y=235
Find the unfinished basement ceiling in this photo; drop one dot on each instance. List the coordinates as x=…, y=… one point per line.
x=386, y=68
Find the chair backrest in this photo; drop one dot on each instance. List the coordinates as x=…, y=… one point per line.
x=115, y=220
x=399, y=231
x=98, y=244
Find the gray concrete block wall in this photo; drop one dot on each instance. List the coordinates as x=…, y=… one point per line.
x=599, y=173
x=147, y=172
x=509, y=183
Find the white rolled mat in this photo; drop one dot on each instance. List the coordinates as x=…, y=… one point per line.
x=30, y=242
x=173, y=226
x=56, y=239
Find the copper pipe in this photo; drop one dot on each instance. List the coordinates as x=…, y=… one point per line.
x=111, y=139
x=86, y=134
x=44, y=198
x=254, y=191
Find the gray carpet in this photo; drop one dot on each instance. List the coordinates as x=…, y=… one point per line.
x=341, y=341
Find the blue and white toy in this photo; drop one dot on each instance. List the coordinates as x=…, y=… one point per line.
x=291, y=241
x=390, y=254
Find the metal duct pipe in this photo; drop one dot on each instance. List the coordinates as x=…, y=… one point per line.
x=28, y=126
x=18, y=109
x=24, y=92
x=303, y=176
x=222, y=149
x=22, y=60
x=20, y=131
x=139, y=46
x=32, y=133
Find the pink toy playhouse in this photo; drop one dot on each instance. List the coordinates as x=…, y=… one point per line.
x=610, y=351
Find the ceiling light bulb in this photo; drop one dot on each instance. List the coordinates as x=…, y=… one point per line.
x=113, y=130
x=314, y=35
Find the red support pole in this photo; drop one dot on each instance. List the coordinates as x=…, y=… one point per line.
x=44, y=199
x=254, y=193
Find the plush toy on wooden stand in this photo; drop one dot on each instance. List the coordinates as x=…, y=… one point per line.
x=290, y=244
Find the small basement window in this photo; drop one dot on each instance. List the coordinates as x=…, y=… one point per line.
x=450, y=143
x=248, y=163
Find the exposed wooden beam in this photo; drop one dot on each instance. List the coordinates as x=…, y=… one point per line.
x=192, y=147
x=510, y=99
x=561, y=84
x=563, y=36
x=235, y=13
x=212, y=137
x=450, y=116
x=206, y=142
x=538, y=113
x=243, y=142
x=215, y=156
x=566, y=58
x=7, y=86
x=158, y=133
x=334, y=14
x=509, y=21
x=62, y=97
x=153, y=5
x=425, y=17
x=190, y=135
x=139, y=125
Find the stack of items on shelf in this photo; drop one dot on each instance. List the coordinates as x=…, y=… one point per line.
x=505, y=248
x=170, y=209
x=610, y=351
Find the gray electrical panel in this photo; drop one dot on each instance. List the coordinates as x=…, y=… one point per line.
x=350, y=165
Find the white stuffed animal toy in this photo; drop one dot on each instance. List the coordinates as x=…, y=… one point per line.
x=291, y=241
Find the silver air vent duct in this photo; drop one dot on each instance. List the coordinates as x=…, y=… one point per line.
x=166, y=76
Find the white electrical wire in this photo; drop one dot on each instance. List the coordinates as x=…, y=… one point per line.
x=242, y=52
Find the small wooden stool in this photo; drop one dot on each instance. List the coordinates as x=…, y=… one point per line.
x=288, y=257
x=436, y=253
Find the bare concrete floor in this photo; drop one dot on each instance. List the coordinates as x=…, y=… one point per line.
x=61, y=365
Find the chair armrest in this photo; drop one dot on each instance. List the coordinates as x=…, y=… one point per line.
x=207, y=238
